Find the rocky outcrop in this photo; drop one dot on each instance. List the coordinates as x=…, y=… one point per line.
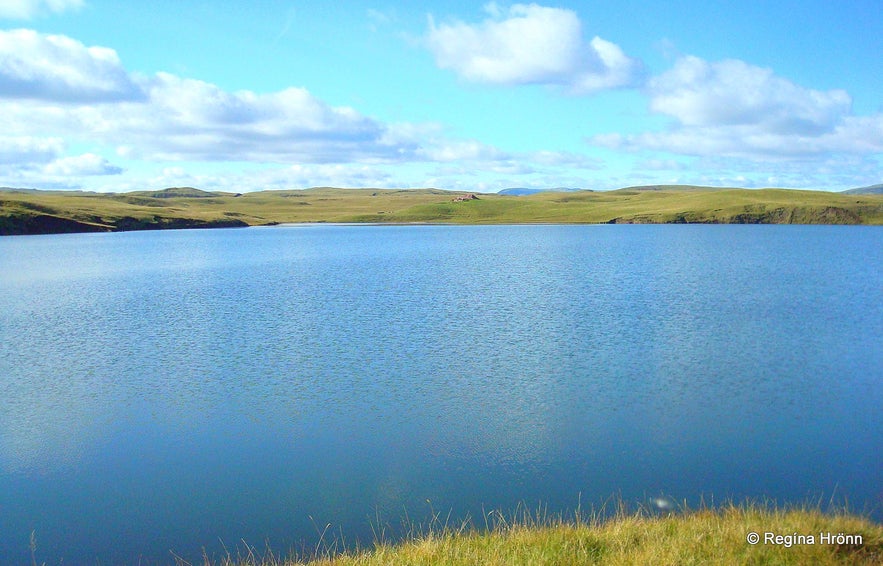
x=29, y=224
x=128, y=223
x=751, y=214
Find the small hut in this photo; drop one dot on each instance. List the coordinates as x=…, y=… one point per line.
x=464, y=198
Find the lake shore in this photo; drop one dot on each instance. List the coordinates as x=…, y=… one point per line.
x=734, y=534
x=25, y=212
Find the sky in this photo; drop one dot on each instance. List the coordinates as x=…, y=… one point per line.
x=476, y=96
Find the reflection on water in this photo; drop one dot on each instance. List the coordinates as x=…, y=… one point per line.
x=176, y=388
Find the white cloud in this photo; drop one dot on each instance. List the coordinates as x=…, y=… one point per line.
x=732, y=92
x=565, y=159
x=467, y=150
x=858, y=134
x=191, y=119
x=56, y=86
x=58, y=68
x=530, y=44
x=27, y=9
x=659, y=165
x=272, y=178
x=81, y=165
x=734, y=109
x=24, y=150
x=827, y=173
x=474, y=156
x=336, y=175
x=39, y=162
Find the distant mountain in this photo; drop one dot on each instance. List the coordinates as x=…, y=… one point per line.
x=871, y=190
x=522, y=191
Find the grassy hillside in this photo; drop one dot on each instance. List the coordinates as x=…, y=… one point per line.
x=35, y=212
x=653, y=205
x=697, y=537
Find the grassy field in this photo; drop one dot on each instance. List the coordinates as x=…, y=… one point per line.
x=34, y=212
x=639, y=538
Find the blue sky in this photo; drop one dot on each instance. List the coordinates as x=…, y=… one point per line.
x=223, y=95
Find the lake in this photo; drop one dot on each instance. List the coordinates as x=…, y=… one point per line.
x=179, y=390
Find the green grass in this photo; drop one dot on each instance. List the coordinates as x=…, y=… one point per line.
x=724, y=206
x=23, y=212
x=697, y=537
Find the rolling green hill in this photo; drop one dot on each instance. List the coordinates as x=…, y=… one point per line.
x=42, y=212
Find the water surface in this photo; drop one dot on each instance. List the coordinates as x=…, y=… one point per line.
x=169, y=391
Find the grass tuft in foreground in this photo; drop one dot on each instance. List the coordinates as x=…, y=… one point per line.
x=702, y=536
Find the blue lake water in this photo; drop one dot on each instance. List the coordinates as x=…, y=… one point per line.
x=172, y=391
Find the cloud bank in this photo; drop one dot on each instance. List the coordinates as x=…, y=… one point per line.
x=732, y=108
x=53, y=85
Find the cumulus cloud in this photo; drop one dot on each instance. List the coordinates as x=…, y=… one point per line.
x=732, y=92
x=58, y=68
x=735, y=109
x=27, y=9
x=531, y=44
